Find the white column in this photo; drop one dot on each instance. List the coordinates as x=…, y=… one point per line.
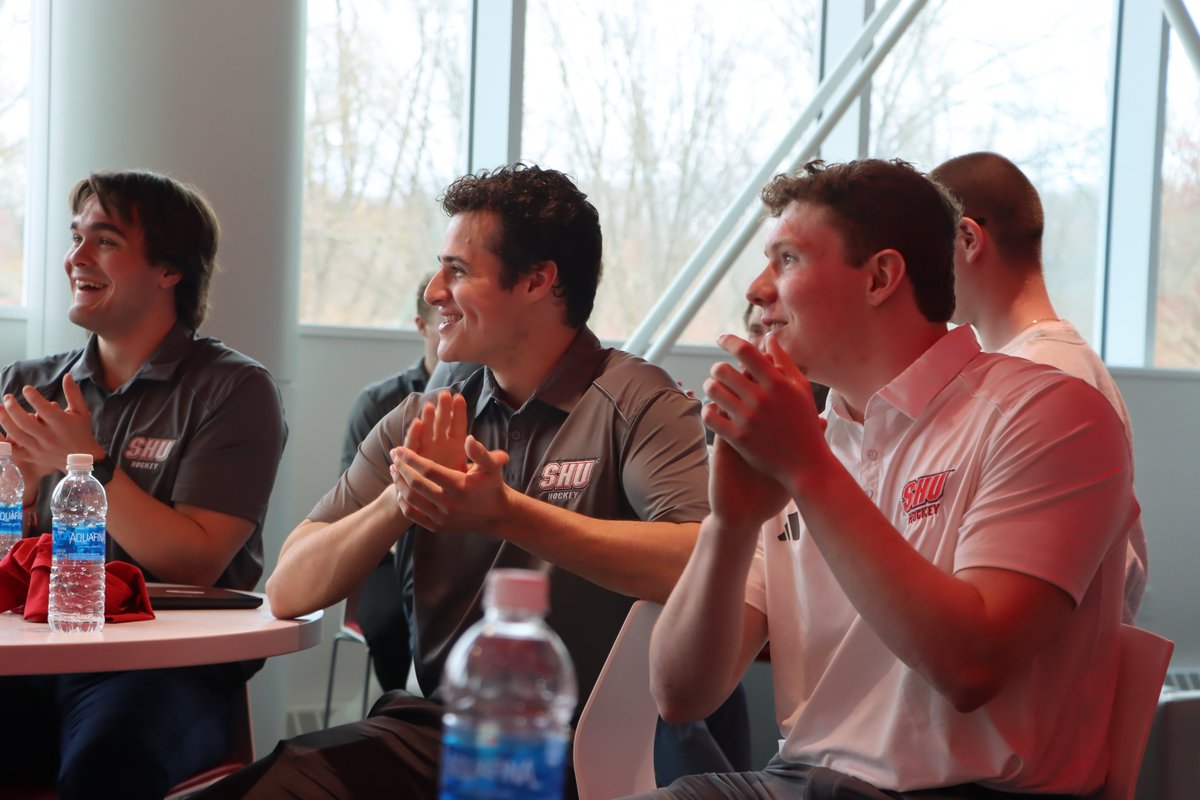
x=211, y=93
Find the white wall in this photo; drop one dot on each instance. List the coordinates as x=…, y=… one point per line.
x=1166, y=439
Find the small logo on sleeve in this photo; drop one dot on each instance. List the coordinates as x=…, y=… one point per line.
x=148, y=453
x=922, y=497
x=564, y=480
x=791, y=528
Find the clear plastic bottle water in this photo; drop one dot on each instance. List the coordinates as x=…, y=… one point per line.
x=79, y=508
x=12, y=496
x=510, y=691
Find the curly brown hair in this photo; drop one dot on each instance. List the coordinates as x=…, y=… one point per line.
x=879, y=205
x=179, y=225
x=543, y=217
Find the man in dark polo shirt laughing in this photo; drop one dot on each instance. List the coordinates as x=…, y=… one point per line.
x=186, y=435
x=560, y=455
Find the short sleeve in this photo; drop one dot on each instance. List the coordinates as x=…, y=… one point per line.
x=665, y=468
x=230, y=460
x=1055, y=491
x=368, y=473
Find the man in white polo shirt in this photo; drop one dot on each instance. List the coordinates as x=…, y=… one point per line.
x=1000, y=290
x=944, y=599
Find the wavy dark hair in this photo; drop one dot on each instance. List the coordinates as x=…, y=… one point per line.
x=179, y=225
x=879, y=205
x=543, y=217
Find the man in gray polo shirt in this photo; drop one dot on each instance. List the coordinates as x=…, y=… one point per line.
x=186, y=435
x=582, y=461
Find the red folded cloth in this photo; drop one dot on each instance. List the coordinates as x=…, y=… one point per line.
x=25, y=584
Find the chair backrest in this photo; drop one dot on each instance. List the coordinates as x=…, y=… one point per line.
x=614, y=740
x=350, y=627
x=1142, y=667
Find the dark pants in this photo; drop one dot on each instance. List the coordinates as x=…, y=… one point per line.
x=116, y=734
x=782, y=780
x=394, y=752
x=720, y=743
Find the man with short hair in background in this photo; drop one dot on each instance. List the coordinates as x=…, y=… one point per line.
x=1000, y=289
x=186, y=434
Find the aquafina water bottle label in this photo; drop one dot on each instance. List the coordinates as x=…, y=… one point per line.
x=10, y=518
x=81, y=541
x=487, y=765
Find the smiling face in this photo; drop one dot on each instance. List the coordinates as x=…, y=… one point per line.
x=480, y=319
x=812, y=298
x=113, y=286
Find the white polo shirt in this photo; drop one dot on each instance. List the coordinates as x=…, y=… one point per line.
x=1057, y=343
x=979, y=460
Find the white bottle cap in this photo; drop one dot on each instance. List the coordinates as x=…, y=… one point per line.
x=5, y=449
x=79, y=461
x=518, y=588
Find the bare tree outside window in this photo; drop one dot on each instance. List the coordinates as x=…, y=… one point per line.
x=661, y=112
x=1027, y=79
x=1177, y=321
x=14, y=137
x=383, y=137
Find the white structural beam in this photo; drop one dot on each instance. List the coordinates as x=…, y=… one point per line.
x=1185, y=29
x=1129, y=264
x=494, y=98
x=841, y=23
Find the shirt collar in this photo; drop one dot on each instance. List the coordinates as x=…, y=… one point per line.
x=159, y=366
x=914, y=388
x=567, y=381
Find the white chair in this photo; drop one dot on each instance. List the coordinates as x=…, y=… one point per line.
x=350, y=631
x=1142, y=666
x=614, y=740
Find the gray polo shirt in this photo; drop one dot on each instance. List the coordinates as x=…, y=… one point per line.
x=607, y=435
x=199, y=424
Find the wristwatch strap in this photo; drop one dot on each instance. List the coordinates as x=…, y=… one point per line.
x=103, y=470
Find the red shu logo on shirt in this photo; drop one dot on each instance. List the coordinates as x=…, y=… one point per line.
x=563, y=480
x=145, y=452
x=921, y=497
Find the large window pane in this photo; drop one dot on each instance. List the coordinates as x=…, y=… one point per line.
x=662, y=111
x=14, y=135
x=383, y=137
x=1027, y=79
x=1177, y=321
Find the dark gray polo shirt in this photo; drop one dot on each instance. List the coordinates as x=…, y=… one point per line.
x=199, y=424
x=607, y=435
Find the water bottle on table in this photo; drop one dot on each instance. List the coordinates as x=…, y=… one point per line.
x=12, y=496
x=510, y=692
x=79, y=508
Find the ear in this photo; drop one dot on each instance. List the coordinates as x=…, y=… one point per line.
x=420, y=323
x=885, y=272
x=169, y=277
x=970, y=239
x=542, y=279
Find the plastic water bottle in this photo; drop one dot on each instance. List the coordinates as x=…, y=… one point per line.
x=510, y=692
x=79, y=508
x=12, y=496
